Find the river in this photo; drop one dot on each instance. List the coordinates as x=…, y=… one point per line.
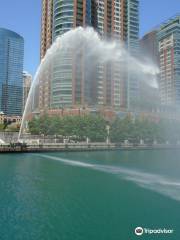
x=89, y=195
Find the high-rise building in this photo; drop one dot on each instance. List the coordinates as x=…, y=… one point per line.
x=113, y=86
x=11, y=69
x=118, y=19
x=27, y=81
x=149, y=47
x=150, y=99
x=64, y=16
x=169, y=52
x=46, y=26
x=70, y=14
x=130, y=35
x=60, y=16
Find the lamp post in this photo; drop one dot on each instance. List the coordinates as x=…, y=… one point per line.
x=62, y=104
x=108, y=131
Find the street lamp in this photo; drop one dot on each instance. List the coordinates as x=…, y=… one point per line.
x=62, y=102
x=108, y=131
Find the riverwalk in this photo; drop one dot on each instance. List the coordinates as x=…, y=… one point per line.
x=60, y=147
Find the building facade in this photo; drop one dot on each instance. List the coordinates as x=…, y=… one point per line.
x=27, y=81
x=112, y=19
x=130, y=33
x=169, y=52
x=150, y=96
x=12, y=119
x=149, y=47
x=70, y=14
x=11, y=69
x=46, y=26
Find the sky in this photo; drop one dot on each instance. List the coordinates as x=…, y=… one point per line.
x=24, y=17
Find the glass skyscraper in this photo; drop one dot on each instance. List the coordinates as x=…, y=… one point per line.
x=11, y=69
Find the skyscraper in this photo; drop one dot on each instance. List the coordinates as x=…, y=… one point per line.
x=149, y=53
x=46, y=26
x=11, y=69
x=64, y=91
x=130, y=34
x=65, y=15
x=112, y=19
x=60, y=16
x=149, y=46
x=119, y=19
x=27, y=81
x=169, y=51
x=70, y=14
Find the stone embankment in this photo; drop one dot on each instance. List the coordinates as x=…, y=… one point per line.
x=23, y=148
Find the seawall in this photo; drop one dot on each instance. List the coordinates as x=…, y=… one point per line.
x=17, y=148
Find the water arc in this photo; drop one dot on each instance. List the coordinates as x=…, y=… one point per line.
x=67, y=76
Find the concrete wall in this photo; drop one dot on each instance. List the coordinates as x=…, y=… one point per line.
x=9, y=136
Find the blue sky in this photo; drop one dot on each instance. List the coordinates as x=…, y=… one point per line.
x=23, y=17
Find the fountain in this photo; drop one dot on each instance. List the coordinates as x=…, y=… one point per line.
x=75, y=72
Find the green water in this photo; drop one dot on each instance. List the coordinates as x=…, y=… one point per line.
x=89, y=196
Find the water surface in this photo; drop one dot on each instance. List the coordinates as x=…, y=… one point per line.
x=89, y=195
